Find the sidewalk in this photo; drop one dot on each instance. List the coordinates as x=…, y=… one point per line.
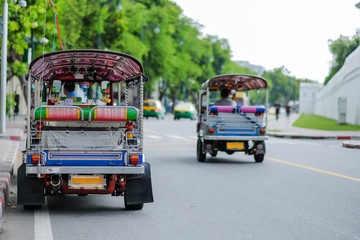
x=283, y=129
x=9, y=153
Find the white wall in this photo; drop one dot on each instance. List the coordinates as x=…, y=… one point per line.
x=345, y=84
x=12, y=86
x=307, y=97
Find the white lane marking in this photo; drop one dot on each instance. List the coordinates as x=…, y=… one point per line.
x=175, y=137
x=42, y=223
x=153, y=136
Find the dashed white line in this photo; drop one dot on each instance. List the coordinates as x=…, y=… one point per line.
x=42, y=223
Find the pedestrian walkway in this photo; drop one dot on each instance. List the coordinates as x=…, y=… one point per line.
x=9, y=153
x=283, y=128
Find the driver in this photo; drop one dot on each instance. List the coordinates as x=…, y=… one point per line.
x=225, y=101
x=69, y=90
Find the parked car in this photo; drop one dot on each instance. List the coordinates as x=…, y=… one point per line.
x=185, y=110
x=154, y=108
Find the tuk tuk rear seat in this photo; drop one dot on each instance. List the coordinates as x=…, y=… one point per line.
x=237, y=109
x=237, y=117
x=92, y=114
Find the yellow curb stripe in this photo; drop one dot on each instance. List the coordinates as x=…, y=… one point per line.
x=313, y=169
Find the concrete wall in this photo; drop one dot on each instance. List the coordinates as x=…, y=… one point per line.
x=344, y=85
x=307, y=97
x=12, y=86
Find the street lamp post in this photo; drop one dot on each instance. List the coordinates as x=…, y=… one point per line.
x=3, y=68
x=22, y=3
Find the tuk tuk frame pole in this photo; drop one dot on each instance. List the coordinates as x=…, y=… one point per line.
x=4, y=68
x=141, y=111
x=29, y=82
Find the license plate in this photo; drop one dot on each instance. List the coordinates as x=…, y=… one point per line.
x=87, y=182
x=235, y=145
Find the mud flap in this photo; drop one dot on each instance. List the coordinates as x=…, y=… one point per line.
x=30, y=190
x=138, y=187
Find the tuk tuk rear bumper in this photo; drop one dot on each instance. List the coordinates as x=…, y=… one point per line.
x=84, y=170
x=235, y=138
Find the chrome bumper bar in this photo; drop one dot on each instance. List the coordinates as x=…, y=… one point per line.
x=236, y=138
x=83, y=170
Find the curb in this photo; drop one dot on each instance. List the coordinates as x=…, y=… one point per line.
x=6, y=166
x=355, y=144
x=4, y=193
x=313, y=137
x=14, y=138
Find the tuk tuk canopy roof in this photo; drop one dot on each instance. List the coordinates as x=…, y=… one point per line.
x=237, y=82
x=89, y=65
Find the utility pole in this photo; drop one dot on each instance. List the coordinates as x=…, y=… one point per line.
x=3, y=69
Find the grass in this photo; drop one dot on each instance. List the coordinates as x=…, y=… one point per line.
x=323, y=123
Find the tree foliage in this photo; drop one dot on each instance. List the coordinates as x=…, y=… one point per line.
x=340, y=49
x=176, y=56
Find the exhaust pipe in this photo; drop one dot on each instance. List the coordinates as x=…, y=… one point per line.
x=55, y=182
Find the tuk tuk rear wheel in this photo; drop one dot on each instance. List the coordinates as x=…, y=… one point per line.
x=260, y=157
x=134, y=206
x=201, y=157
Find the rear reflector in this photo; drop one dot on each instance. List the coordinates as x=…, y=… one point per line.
x=262, y=131
x=211, y=130
x=35, y=159
x=134, y=159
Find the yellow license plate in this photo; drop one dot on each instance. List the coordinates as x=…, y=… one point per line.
x=235, y=145
x=87, y=182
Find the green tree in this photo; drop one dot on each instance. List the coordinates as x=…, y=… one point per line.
x=340, y=49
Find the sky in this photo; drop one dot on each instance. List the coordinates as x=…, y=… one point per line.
x=275, y=33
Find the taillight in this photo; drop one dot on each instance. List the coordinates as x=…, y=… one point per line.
x=262, y=131
x=156, y=110
x=35, y=159
x=211, y=130
x=134, y=159
x=39, y=125
x=129, y=126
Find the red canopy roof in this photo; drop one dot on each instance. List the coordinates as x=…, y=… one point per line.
x=237, y=82
x=89, y=65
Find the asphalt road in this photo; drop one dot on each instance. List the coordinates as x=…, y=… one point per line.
x=304, y=189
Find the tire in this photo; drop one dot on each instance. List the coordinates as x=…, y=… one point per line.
x=201, y=157
x=32, y=207
x=259, y=157
x=133, y=206
x=214, y=153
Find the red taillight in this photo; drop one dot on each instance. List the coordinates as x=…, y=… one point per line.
x=134, y=159
x=35, y=159
x=211, y=130
x=39, y=125
x=156, y=110
x=262, y=131
x=129, y=126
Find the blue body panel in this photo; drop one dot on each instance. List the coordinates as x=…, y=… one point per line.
x=85, y=159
